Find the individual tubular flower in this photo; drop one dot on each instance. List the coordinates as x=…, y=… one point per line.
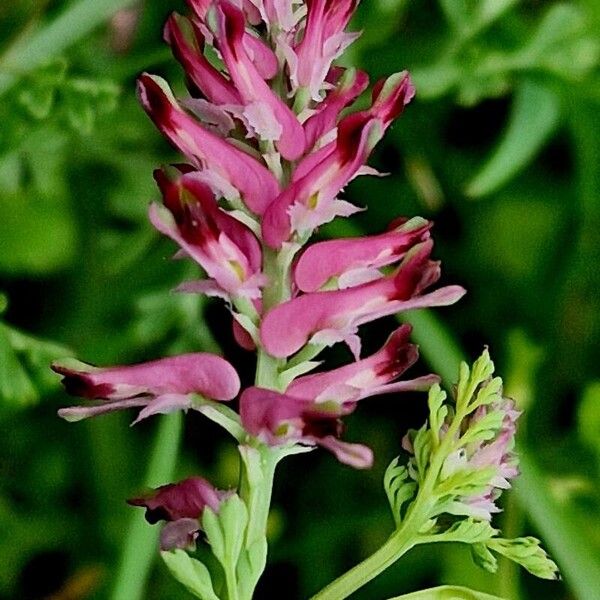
x=323, y=41
x=181, y=505
x=368, y=377
x=310, y=200
x=187, y=43
x=266, y=114
x=256, y=185
x=310, y=410
x=260, y=54
x=350, y=261
x=278, y=418
x=158, y=386
x=332, y=316
x=225, y=248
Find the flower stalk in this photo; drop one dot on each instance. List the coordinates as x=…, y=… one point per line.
x=269, y=150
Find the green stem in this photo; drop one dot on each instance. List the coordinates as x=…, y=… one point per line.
x=259, y=508
x=231, y=583
x=72, y=25
x=397, y=545
x=139, y=549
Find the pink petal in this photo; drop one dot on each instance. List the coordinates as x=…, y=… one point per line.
x=319, y=186
x=264, y=411
x=262, y=57
x=351, y=85
x=354, y=455
x=250, y=84
x=78, y=413
x=202, y=373
x=187, y=43
x=323, y=41
x=184, y=500
x=164, y=404
x=322, y=261
x=181, y=533
x=256, y=183
x=380, y=368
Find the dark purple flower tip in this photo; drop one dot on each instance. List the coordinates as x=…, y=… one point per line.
x=184, y=500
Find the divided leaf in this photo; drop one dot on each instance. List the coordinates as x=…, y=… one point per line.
x=527, y=552
x=399, y=488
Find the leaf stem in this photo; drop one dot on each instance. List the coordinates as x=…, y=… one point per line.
x=400, y=542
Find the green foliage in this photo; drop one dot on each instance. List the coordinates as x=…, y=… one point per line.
x=191, y=573
x=534, y=118
x=528, y=553
x=24, y=360
x=447, y=592
x=399, y=488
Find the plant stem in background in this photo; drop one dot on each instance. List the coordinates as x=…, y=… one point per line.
x=141, y=542
x=77, y=21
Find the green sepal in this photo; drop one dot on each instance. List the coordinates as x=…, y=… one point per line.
x=191, y=573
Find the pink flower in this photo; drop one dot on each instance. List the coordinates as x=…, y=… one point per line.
x=159, y=386
x=350, y=261
x=187, y=42
x=310, y=200
x=257, y=186
x=370, y=376
x=278, y=418
x=260, y=54
x=333, y=316
x=323, y=41
x=181, y=505
x=225, y=248
x=310, y=410
x=267, y=115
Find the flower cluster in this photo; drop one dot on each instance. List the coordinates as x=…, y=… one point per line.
x=269, y=148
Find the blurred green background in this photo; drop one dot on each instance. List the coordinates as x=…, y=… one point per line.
x=501, y=148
